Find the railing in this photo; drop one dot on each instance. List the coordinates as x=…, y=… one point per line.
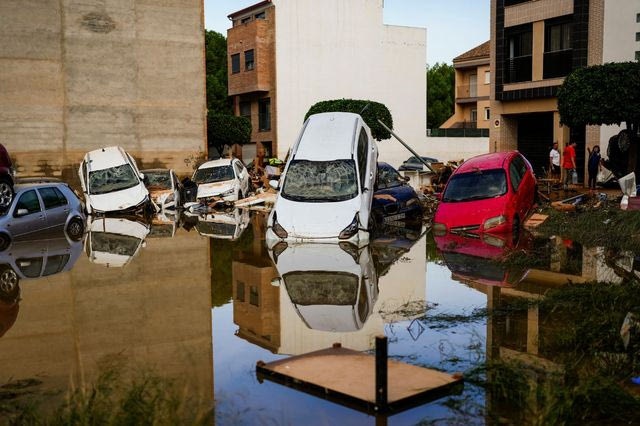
x=518, y=69
x=558, y=63
x=467, y=91
x=458, y=133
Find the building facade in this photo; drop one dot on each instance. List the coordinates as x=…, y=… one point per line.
x=339, y=50
x=472, y=89
x=535, y=44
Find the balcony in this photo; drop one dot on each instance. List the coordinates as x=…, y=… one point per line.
x=518, y=69
x=464, y=91
x=558, y=63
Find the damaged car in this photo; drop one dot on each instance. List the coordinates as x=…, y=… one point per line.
x=394, y=199
x=111, y=182
x=228, y=225
x=224, y=179
x=326, y=190
x=164, y=188
x=114, y=241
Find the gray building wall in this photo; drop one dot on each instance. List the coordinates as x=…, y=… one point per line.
x=76, y=75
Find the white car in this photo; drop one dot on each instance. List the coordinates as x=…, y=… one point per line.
x=111, y=182
x=224, y=225
x=327, y=186
x=227, y=179
x=164, y=188
x=114, y=241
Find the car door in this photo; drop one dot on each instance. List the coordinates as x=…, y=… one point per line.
x=28, y=216
x=56, y=207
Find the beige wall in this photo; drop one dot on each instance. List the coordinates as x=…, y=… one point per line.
x=78, y=75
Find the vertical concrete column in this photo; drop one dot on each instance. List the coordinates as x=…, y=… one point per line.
x=538, y=50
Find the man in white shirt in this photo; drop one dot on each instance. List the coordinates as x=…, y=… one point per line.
x=554, y=161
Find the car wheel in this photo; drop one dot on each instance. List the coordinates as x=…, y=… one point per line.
x=8, y=282
x=6, y=193
x=75, y=229
x=515, y=228
x=5, y=240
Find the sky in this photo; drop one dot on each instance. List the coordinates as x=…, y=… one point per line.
x=453, y=26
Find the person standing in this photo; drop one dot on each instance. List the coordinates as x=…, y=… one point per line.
x=569, y=163
x=554, y=161
x=593, y=166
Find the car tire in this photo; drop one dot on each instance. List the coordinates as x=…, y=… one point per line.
x=5, y=241
x=6, y=193
x=75, y=229
x=515, y=229
x=9, y=283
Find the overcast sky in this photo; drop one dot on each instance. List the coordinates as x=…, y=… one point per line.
x=453, y=26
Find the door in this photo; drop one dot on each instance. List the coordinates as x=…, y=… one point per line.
x=473, y=86
x=56, y=207
x=535, y=139
x=31, y=218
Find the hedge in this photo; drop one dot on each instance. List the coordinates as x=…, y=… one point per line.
x=373, y=112
x=223, y=129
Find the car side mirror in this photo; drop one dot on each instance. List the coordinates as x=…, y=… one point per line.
x=141, y=176
x=22, y=212
x=274, y=184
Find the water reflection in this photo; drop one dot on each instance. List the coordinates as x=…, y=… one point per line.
x=114, y=241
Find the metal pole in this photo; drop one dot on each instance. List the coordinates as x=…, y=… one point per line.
x=406, y=146
x=381, y=373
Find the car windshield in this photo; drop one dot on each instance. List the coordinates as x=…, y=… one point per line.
x=121, y=245
x=321, y=181
x=158, y=180
x=213, y=174
x=388, y=178
x=478, y=185
x=112, y=179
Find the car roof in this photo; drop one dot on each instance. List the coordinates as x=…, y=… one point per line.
x=23, y=186
x=494, y=160
x=216, y=163
x=105, y=158
x=328, y=136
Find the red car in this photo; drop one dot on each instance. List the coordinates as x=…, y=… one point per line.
x=490, y=193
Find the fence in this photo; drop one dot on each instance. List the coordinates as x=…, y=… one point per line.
x=458, y=133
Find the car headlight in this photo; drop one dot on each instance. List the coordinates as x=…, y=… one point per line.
x=439, y=229
x=494, y=222
x=277, y=228
x=351, y=229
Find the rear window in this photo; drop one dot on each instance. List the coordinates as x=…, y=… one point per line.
x=478, y=185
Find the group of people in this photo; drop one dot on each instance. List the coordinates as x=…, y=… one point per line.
x=569, y=163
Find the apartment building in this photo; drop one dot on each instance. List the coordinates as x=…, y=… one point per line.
x=535, y=44
x=472, y=89
x=284, y=56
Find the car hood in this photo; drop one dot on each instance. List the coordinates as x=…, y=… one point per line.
x=402, y=193
x=214, y=189
x=470, y=213
x=118, y=200
x=315, y=220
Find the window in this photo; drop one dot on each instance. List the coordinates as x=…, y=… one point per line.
x=261, y=15
x=113, y=179
x=213, y=174
x=514, y=175
x=638, y=17
x=254, y=298
x=235, y=63
x=239, y=291
x=55, y=264
x=264, y=115
x=513, y=2
x=249, y=60
x=320, y=181
x=238, y=167
x=474, y=115
x=487, y=114
x=558, y=56
x=519, y=46
x=558, y=37
x=30, y=267
x=245, y=20
x=52, y=198
x=638, y=55
x=245, y=109
x=487, y=77
x=362, y=157
x=28, y=201
x=478, y=185
x=637, y=36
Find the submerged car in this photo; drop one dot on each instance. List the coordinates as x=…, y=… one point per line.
x=226, y=179
x=414, y=164
x=224, y=225
x=489, y=193
x=41, y=205
x=164, y=188
x=111, y=182
x=114, y=241
x=394, y=198
x=326, y=190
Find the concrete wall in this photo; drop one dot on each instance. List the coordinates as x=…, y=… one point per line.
x=343, y=50
x=78, y=75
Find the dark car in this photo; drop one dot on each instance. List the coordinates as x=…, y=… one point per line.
x=394, y=198
x=413, y=163
x=6, y=179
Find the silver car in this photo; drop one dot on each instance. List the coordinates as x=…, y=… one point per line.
x=41, y=205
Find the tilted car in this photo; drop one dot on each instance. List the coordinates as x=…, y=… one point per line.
x=41, y=205
x=111, y=182
x=227, y=179
x=164, y=188
x=394, y=199
x=327, y=186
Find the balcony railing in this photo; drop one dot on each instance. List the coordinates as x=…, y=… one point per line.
x=467, y=91
x=458, y=133
x=558, y=63
x=518, y=69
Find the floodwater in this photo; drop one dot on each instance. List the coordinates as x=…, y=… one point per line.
x=201, y=300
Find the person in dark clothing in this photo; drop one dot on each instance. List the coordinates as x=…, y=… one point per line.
x=594, y=166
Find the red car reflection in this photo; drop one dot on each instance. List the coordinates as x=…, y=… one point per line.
x=489, y=193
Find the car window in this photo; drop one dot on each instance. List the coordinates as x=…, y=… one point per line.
x=517, y=169
x=362, y=157
x=213, y=174
x=52, y=198
x=55, y=264
x=238, y=167
x=388, y=178
x=157, y=180
x=30, y=267
x=320, y=181
x=112, y=179
x=28, y=201
x=478, y=185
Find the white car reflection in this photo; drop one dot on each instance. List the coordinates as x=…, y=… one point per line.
x=332, y=287
x=164, y=225
x=224, y=225
x=113, y=242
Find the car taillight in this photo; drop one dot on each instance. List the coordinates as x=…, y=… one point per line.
x=277, y=228
x=350, y=230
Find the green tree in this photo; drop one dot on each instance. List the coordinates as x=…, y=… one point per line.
x=226, y=129
x=369, y=110
x=216, y=71
x=440, y=94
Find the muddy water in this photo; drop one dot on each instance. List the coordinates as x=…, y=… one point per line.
x=201, y=301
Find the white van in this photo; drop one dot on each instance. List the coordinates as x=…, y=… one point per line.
x=327, y=185
x=111, y=182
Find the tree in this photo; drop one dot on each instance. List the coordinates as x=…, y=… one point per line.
x=225, y=129
x=216, y=72
x=440, y=94
x=369, y=110
x=604, y=95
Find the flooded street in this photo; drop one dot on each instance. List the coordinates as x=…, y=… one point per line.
x=201, y=301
